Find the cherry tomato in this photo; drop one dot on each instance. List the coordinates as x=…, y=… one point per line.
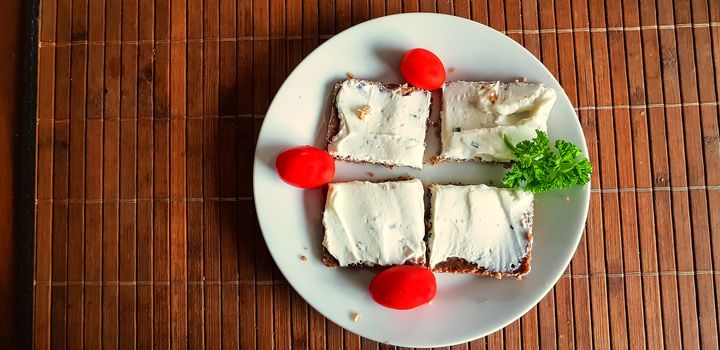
x=305, y=166
x=422, y=69
x=403, y=287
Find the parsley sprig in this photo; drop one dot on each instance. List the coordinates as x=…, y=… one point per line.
x=538, y=169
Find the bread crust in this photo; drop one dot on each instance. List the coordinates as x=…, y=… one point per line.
x=331, y=262
x=462, y=266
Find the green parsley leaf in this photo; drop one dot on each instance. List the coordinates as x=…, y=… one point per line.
x=537, y=168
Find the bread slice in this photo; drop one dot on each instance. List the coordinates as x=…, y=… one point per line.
x=482, y=230
x=378, y=123
x=374, y=224
x=476, y=115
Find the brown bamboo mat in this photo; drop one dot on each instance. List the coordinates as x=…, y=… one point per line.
x=147, y=116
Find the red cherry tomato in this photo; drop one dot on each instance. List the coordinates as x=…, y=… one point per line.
x=305, y=166
x=403, y=287
x=422, y=69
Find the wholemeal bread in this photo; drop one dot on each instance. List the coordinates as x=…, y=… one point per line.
x=475, y=116
x=374, y=122
x=374, y=224
x=478, y=229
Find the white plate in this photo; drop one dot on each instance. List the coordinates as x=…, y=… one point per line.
x=466, y=307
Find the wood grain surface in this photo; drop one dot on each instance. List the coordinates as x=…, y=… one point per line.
x=147, y=117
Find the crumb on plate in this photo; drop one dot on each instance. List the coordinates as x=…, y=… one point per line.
x=355, y=317
x=350, y=75
x=451, y=69
x=303, y=257
x=371, y=174
x=566, y=198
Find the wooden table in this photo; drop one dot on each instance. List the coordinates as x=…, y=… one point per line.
x=147, y=114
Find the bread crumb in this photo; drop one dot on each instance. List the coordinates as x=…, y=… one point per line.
x=306, y=248
x=371, y=174
x=451, y=69
x=355, y=317
x=362, y=112
x=493, y=98
x=566, y=198
x=350, y=75
x=405, y=89
x=523, y=80
x=435, y=159
x=303, y=257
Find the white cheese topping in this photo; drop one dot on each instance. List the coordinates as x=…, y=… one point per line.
x=380, y=125
x=487, y=226
x=475, y=115
x=375, y=223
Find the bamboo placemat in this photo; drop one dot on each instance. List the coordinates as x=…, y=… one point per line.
x=147, y=116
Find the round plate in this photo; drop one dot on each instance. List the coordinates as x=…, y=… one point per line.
x=466, y=307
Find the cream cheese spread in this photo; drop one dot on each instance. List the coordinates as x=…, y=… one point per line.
x=375, y=223
x=487, y=226
x=476, y=115
x=380, y=125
